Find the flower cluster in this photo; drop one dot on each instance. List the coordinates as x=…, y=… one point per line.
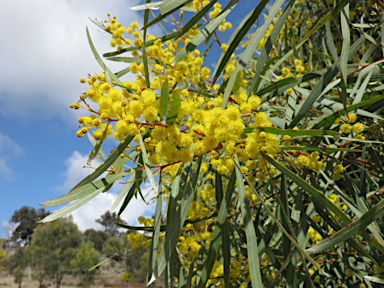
x=194, y=123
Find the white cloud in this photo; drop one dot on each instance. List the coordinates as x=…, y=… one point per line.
x=6, y=172
x=7, y=228
x=8, y=149
x=6, y=143
x=86, y=215
x=76, y=171
x=45, y=52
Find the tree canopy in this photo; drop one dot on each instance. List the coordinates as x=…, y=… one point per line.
x=26, y=219
x=53, y=246
x=108, y=220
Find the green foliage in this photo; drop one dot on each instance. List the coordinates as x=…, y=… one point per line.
x=3, y=243
x=271, y=166
x=108, y=221
x=143, y=265
x=85, y=258
x=53, y=246
x=113, y=246
x=127, y=277
x=26, y=219
x=3, y=259
x=97, y=237
x=16, y=265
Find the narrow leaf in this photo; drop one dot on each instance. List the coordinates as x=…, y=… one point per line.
x=164, y=100
x=173, y=108
x=71, y=207
x=353, y=228
x=96, y=147
x=147, y=165
x=84, y=190
x=253, y=254
x=290, y=132
x=123, y=191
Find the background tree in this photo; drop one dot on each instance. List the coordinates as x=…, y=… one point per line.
x=3, y=243
x=134, y=262
x=17, y=264
x=3, y=259
x=38, y=272
x=127, y=277
x=144, y=259
x=53, y=246
x=26, y=219
x=97, y=237
x=108, y=220
x=113, y=246
x=86, y=257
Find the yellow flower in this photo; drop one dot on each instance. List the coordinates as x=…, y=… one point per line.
x=346, y=128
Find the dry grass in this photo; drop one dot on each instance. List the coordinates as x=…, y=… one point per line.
x=8, y=282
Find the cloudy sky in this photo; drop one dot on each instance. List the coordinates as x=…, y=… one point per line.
x=43, y=55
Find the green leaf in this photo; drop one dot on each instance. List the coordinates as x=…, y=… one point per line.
x=97, y=24
x=376, y=159
x=236, y=86
x=144, y=52
x=199, y=38
x=164, y=100
x=86, y=189
x=319, y=53
x=96, y=147
x=133, y=60
x=325, y=149
x=361, y=90
x=280, y=86
x=140, y=228
x=250, y=50
x=103, y=167
x=328, y=76
x=253, y=254
x=167, y=10
x=298, y=247
x=147, y=165
x=147, y=44
x=340, y=6
x=290, y=132
x=353, y=228
x=172, y=5
x=238, y=36
x=156, y=5
x=308, y=188
x=102, y=262
x=260, y=67
x=100, y=61
x=195, y=19
x=153, y=5
x=173, y=108
x=123, y=191
x=332, y=118
x=177, y=222
x=72, y=206
x=330, y=43
x=344, y=54
x=217, y=234
x=94, y=142
x=374, y=279
x=155, y=237
x=129, y=196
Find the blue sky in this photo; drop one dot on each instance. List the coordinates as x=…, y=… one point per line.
x=44, y=53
